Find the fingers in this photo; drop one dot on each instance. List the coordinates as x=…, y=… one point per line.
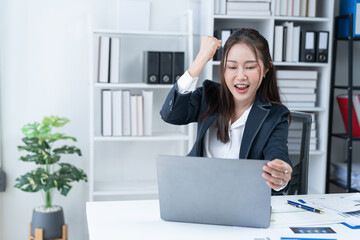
x=208, y=47
x=277, y=173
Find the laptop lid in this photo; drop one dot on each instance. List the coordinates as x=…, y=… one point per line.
x=213, y=191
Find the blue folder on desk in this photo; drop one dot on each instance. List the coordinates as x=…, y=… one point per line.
x=349, y=7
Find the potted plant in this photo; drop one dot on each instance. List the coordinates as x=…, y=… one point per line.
x=42, y=149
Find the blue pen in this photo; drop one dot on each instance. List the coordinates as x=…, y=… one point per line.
x=302, y=206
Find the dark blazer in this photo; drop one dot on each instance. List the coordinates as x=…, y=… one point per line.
x=266, y=129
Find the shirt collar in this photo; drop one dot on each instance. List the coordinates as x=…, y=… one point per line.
x=241, y=120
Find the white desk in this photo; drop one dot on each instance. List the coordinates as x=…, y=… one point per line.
x=126, y=220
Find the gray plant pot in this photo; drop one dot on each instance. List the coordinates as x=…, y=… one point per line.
x=50, y=220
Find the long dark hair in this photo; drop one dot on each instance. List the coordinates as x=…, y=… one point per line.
x=224, y=103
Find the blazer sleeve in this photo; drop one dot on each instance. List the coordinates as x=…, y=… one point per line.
x=276, y=146
x=181, y=109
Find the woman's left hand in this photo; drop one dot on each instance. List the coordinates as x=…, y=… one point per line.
x=277, y=173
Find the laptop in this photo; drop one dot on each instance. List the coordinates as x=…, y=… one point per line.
x=213, y=191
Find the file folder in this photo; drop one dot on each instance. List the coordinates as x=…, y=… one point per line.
x=178, y=59
x=349, y=7
x=308, y=46
x=165, y=67
x=322, y=46
x=152, y=65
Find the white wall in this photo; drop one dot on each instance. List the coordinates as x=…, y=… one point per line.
x=44, y=70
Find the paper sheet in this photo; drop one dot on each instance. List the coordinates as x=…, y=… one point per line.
x=340, y=204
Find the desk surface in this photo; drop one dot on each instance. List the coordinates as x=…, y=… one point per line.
x=141, y=220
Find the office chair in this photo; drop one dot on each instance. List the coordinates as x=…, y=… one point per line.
x=300, y=157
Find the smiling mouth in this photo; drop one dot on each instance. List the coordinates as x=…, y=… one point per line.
x=241, y=86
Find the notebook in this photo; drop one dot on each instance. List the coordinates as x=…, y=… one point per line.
x=213, y=191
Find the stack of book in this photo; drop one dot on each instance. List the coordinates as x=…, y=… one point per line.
x=295, y=8
x=242, y=7
x=295, y=132
x=126, y=114
x=297, y=87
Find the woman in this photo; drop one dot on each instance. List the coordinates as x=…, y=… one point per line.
x=242, y=117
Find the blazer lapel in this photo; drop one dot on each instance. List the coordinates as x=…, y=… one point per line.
x=255, y=120
x=204, y=126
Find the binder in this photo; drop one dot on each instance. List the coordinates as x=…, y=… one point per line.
x=152, y=67
x=289, y=40
x=148, y=111
x=278, y=43
x=104, y=58
x=296, y=44
x=308, y=46
x=106, y=118
x=223, y=35
x=117, y=113
x=114, y=59
x=126, y=113
x=178, y=59
x=140, y=115
x=165, y=67
x=322, y=46
x=349, y=7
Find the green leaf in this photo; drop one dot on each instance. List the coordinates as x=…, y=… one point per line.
x=57, y=136
x=55, y=121
x=67, y=150
x=31, y=130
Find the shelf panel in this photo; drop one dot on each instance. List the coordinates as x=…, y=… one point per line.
x=345, y=136
x=160, y=136
x=126, y=188
x=346, y=87
x=302, y=19
x=301, y=64
x=234, y=17
x=337, y=183
x=133, y=85
x=304, y=109
x=348, y=39
x=311, y=153
x=140, y=33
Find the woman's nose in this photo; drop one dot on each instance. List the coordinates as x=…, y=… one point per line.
x=241, y=74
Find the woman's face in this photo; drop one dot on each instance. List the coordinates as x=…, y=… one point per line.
x=243, y=74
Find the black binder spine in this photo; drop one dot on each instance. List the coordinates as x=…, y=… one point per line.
x=178, y=60
x=322, y=46
x=166, y=67
x=152, y=66
x=308, y=40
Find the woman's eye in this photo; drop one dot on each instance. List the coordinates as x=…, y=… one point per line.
x=231, y=67
x=250, y=67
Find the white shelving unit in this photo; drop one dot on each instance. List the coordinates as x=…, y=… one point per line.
x=266, y=25
x=124, y=167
